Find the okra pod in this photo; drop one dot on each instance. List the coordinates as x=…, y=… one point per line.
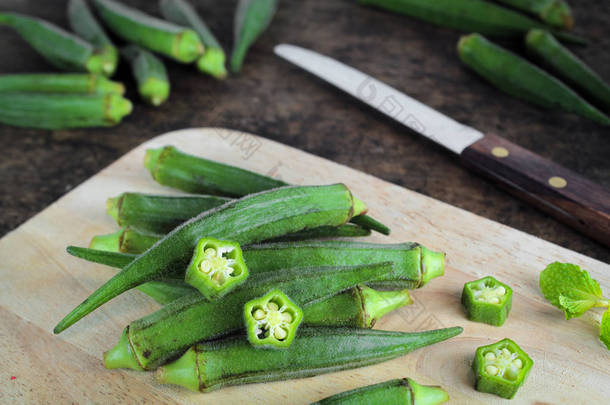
x=160, y=214
x=60, y=111
x=519, y=78
x=487, y=300
x=179, y=43
x=479, y=16
x=84, y=24
x=150, y=74
x=555, y=13
x=61, y=48
x=231, y=361
x=252, y=17
x=150, y=341
x=173, y=168
x=183, y=13
x=166, y=291
x=414, y=265
x=402, y=391
x=75, y=83
x=546, y=49
x=248, y=220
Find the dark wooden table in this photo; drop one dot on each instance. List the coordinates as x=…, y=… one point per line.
x=281, y=102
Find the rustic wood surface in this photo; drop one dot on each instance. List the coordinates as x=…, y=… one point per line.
x=280, y=102
x=40, y=282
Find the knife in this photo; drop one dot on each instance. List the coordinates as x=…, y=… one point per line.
x=552, y=188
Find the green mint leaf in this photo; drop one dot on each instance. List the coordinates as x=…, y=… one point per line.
x=569, y=288
x=604, y=334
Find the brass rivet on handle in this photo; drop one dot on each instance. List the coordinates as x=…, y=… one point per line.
x=499, y=152
x=558, y=182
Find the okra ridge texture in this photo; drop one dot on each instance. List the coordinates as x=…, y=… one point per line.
x=256, y=217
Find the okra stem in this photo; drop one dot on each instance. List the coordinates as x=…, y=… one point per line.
x=178, y=43
x=414, y=265
x=231, y=361
x=59, y=83
x=125, y=240
x=85, y=25
x=162, y=335
x=173, y=168
x=248, y=220
x=183, y=13
x=402, y=391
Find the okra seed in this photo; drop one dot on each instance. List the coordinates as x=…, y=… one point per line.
x=506, y=352
x=272, y=306
x=280, y=333
x=495, y=300
x=518, y=363
x=286, y=317
x=490, y=356
x=210, y=252
x=258, y=314
x=500, y=290
x=491, y=370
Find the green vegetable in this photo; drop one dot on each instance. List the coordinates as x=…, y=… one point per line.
x=604, y=334
x=84, y=24
x=76, y=83
x=544, y=47
x=250, y=219
x=501, y=368
x=402, y=391
x=166, y=291
x=150, y=74
x=231, y=361
x=217, y=268
x=571, y=289
x=414, y=265
x=252, y=17
x=183, y=13
x=173, y=168
x=160, y=214
x=61, y=111
x=480, y=16
x=150, y=341
x=272, y=320
x=179, y=43
x=519, y=78
x=61, y=48
x=487, y=300
x=126, y=240
x=555, y=13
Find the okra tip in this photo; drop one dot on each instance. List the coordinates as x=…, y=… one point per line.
x=117, y=108
x=558, y=14
x=121, y=355
x=189, y=46
x=109, y=242
x=181, y=372
x=151, y=158
x=112, y=208
x=427, y=394
x=213, y=63
x=433, y=265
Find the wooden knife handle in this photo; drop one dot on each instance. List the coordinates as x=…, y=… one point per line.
x=554, y=189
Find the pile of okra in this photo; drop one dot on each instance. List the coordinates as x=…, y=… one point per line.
x=85, y=97
x=259, y=280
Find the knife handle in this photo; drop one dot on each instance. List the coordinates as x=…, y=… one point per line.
x=552, y=188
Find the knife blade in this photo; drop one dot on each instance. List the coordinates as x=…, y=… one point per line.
x=569, y=197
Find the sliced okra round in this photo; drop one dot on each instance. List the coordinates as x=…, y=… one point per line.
x=501, y=368
x=487, y=300
x=216, y=268
x=272, y=320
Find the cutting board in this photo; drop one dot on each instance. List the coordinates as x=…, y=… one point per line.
x=40, y=283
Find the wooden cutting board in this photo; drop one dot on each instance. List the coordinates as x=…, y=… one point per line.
x=40, y=283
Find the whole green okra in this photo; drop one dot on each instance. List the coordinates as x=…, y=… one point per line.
x=402, y=391
x=68, y=83
x=414, y=265
x=248, y=220
x=231, y=361
x=193, y=174
x=252, y=17
x=150, y=341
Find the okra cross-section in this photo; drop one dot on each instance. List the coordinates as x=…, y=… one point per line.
x=487, y=300
x=217, y=267
x=501, y=368
x=272, y=320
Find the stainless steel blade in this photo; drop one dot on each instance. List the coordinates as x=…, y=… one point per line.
x=393, y=103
